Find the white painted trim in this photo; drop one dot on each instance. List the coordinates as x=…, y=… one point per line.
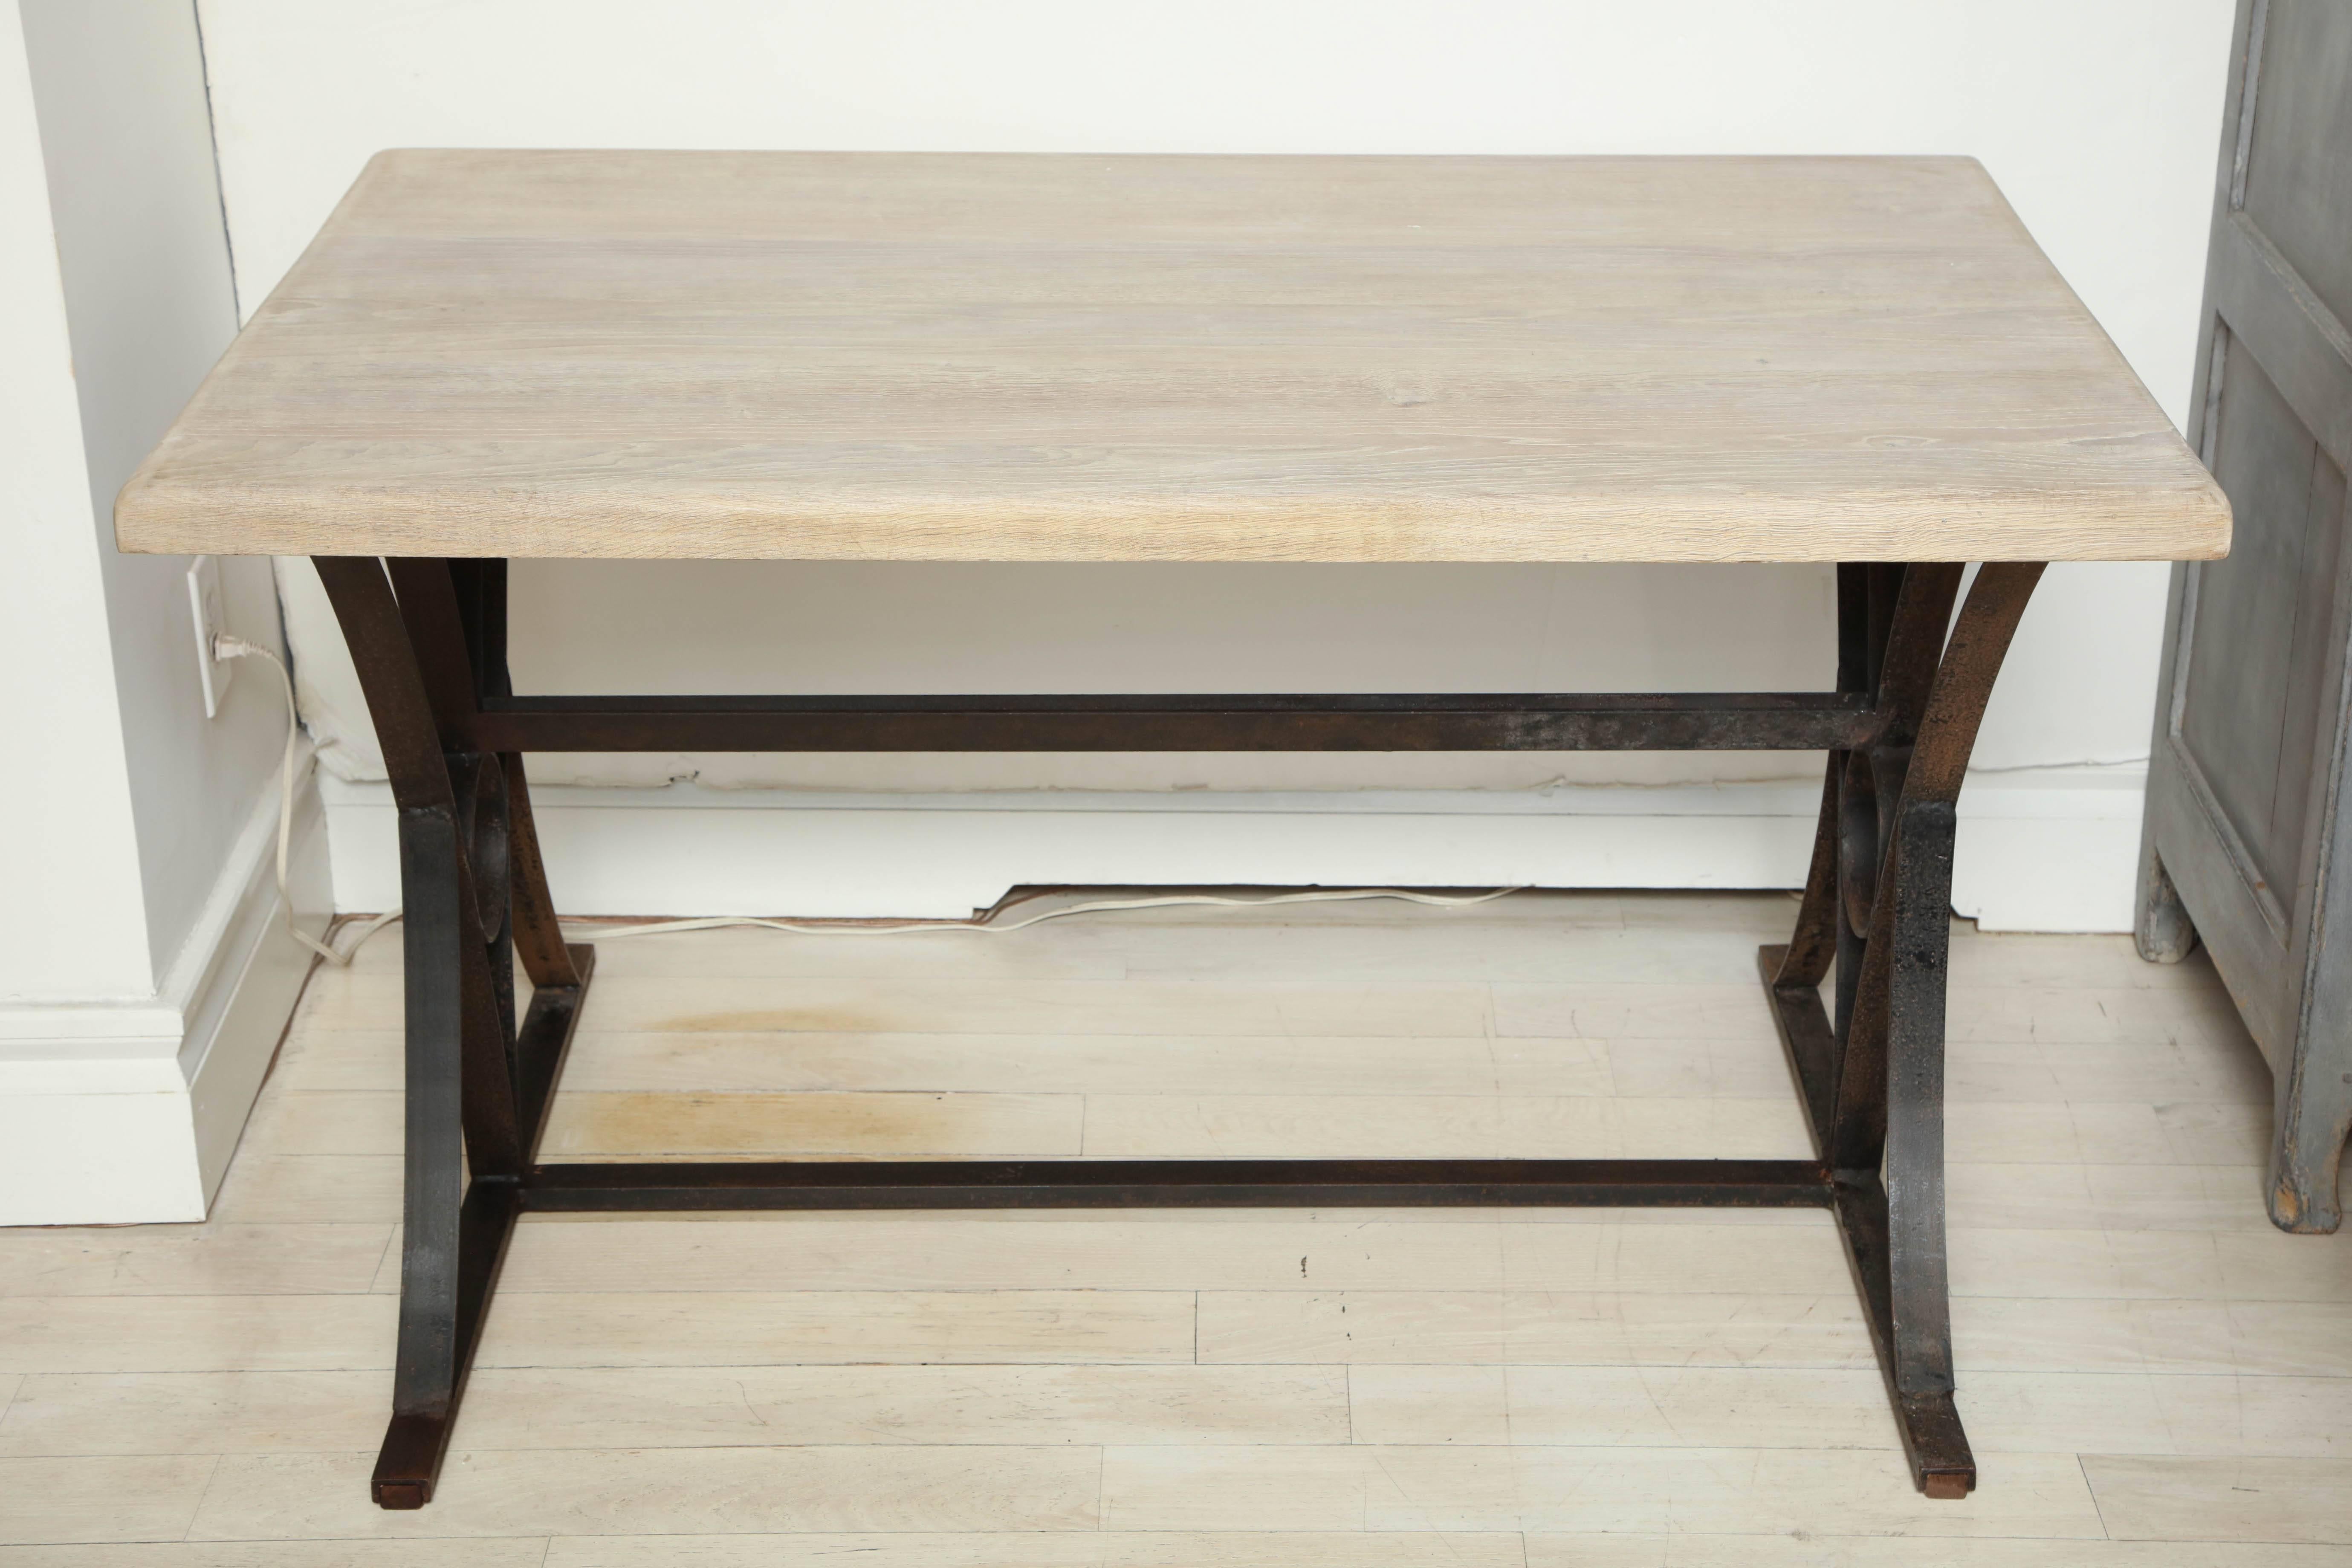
x=37, y=1028
x=118, y=1111
x=2047, y=849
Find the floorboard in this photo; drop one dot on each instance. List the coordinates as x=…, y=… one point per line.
x=2152, y=1375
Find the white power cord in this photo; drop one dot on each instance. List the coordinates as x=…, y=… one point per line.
x=227, y=646
x=1099, y=906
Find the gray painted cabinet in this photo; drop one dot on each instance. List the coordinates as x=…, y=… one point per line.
x=2245, y=842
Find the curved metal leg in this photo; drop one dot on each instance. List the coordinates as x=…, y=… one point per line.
x=1883, y=1127
x=477, y=1085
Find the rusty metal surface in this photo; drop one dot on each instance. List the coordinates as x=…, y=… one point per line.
x=1872, y=1080
x=1535, y=722
x=1899, y=728
x=1178, y=1184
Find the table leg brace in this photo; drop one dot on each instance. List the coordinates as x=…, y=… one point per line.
x=1876, y=910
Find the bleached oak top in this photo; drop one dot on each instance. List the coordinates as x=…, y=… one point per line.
x=1007, y=357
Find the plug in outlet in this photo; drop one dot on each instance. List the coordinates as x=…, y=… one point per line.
x=204, y=606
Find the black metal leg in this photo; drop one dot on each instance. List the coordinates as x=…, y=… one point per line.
x=1876, y=911
x=538, y=940
x=1919, y=1328
x=431, y=1357
x=481, y=589
x=1877, y=1113
x=1825, y=939
x=477, y=1084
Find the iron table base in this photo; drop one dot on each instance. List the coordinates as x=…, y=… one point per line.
x=428, y=638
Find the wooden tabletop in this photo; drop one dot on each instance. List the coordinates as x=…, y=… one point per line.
x=1012, y=357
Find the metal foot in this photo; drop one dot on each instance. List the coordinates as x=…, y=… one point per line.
x=1933, y=1439
x=409, y=1461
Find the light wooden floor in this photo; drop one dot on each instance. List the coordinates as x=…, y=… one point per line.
x=2151, y=1375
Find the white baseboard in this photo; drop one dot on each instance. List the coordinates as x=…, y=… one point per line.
x=2049, y=850
x=2044, y=850
x=115, y=1112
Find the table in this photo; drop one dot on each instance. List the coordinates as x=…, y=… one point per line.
x=487, y=356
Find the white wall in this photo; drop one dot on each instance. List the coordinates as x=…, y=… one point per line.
x=143, y=260
x=2098, y=118
x=144, y=971
x=60, y=928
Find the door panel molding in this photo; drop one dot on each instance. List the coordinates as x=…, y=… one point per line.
x=2278, y=919
x=2290, y=331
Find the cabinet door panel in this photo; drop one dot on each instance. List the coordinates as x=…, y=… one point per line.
x=2298, y=163
x=2248, y=717
x=2248, y=822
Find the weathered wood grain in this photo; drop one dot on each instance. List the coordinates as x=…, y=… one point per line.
x=1001, y=357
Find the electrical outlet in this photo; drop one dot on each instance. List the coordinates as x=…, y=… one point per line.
x=204, y=607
